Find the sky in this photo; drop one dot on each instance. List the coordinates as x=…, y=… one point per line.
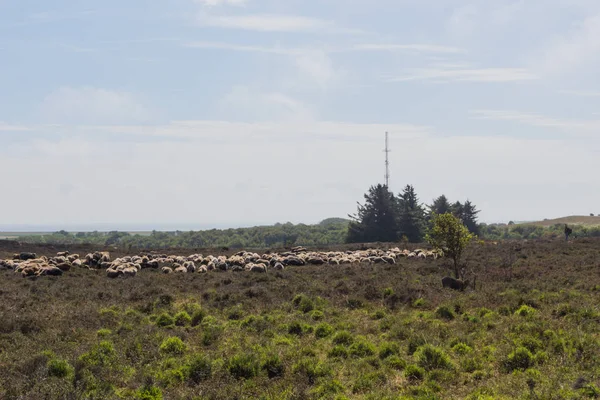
x=246, y=112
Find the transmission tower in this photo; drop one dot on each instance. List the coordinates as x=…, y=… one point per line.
x=387, y=161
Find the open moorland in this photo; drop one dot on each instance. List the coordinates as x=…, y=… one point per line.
x=368, y=329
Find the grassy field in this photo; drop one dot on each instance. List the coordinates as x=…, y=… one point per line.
x=572, y=220
x=530, y=330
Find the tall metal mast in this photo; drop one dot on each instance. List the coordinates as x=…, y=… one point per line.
x=387, y=161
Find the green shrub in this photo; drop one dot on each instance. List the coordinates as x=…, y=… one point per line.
x=295, y=328
x=311, y=370
x=59, y=368
x=327, y=389
x=354, y=304
x=103, y=354
x=362, y=348
x=149, y=393
x=414, y=343
x=367, y=382
x=104, y=332
x=431, y=357
x=323, y=330
x=444, y=312
x=273, y=365
x=303, y=303
x=164, y=320
x=243, y=366
x=338, y=352
x=388, y=349
x=419, y=303
x=395, y=362
x=525, y=311
x=387, y=292
x=173, y=345
x=590, y=391
x=182, y=319
x=211, y=333
x=343, y=337
x=200, y=369
x=317, y=315
x=462, y=348
x=198, y=317
x=532, y=344
x=520, y=359
x=470, y=364
x=414, y=373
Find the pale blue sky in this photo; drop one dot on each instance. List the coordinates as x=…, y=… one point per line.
x=237, y=112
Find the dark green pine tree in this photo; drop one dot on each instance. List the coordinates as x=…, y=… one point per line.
x=411, y=215
x=440, y=206
x=469, y=217
x=458, y=210
x=376, y=220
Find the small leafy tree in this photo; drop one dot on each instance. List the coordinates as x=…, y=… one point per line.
x=449, y=235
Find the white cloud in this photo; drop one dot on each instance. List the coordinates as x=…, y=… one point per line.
x=243, y=48
x=582, y=93
x=420, y=48
x=92, y=105
x=314, y=66
x=575, y=50
x=269, y=23
x=4, y=127
x=451, y=74
x=255, y=105
x=574, y=127
x=221, y=2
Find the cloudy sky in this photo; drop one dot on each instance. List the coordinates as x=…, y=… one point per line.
x=242, y=112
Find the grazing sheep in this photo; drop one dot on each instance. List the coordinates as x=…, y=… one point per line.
x=190, y=266
x=456, y=284
x=166, y=270
x=130, y=272
x=202, y=269
x=62, y=254
x=27, y=256
x=50, y=271
x=258, y=268
x=181, y=269
x=113, y=273
x=65, y=266
x=278, y=266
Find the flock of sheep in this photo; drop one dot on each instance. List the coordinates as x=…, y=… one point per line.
x=28, y=264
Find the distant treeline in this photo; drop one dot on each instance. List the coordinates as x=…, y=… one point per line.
x=524, y=231
x=328, y=232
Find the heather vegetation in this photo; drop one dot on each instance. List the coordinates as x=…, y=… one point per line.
x=529, y=330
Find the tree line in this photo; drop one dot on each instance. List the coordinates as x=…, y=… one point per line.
x=385, y=217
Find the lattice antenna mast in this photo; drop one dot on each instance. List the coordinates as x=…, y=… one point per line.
x=387, y=161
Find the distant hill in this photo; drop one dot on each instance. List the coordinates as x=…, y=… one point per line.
x=334, y=221
x=572, y=220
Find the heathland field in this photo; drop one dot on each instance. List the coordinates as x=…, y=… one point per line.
x=529, y=330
